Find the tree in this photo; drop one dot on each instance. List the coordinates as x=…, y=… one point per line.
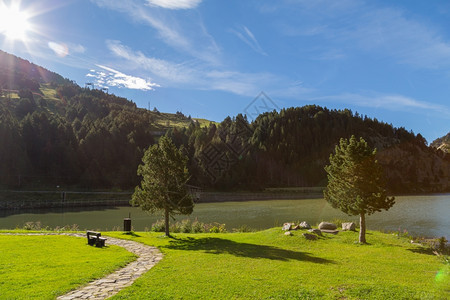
x=163, y=187
x=356, y=181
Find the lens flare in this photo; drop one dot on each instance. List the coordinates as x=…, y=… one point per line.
x=14, y=23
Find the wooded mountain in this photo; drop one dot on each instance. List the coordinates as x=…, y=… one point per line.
x=442, y=143
x=54, y=132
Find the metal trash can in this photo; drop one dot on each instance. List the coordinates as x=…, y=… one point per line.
x=127, y=224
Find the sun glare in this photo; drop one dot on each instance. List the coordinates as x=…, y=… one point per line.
x=14, y=23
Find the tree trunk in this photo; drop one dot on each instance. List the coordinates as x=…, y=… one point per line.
x=166, y=221
x=362, y=228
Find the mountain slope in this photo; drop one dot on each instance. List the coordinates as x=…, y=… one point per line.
x=442, y=143
x=291, y=148
x=56, y=133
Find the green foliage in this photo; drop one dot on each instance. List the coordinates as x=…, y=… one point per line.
x=158, y=226
x=163, y=186
x=217, y=228
x=188, y=226
x=58, y=133
x=355, y=181
x=243, y=228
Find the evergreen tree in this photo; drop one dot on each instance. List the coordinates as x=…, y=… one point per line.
x=163, y=186
x=355, y=181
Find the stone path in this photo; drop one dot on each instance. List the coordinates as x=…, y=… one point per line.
x=110, y=285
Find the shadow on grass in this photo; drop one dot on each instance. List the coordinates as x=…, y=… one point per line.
x=224, y=246
x=131, y=233
x=426, y=251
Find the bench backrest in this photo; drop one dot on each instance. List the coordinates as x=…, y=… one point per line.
x=89, y=233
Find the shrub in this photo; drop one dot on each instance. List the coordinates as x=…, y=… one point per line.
x=243, y=228
x=439, y=245
x=217, y=228
x=34, y=226
x=403, y=233
x=158, y=226
x=186, y=226
x=197, y=227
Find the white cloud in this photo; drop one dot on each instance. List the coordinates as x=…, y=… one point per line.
x=389, y=102
x=60, y=49
x=175, y=4
x=178, y=73
x=201, y=76
x=245, y=35
x=187, y=36
x=63, y=49
x=77, y=48
x=114, y=78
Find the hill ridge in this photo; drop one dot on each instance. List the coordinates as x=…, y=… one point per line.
x=56, y=133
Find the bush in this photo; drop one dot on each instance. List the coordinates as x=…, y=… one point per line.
x=187, y=226
x=439, y=245
x=218, y=228
x=37, y=226
x=158, y=226
x=243, y=228
x=198, y=227
x=34, y=226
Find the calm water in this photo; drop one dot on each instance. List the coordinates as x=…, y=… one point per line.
x=420, y=215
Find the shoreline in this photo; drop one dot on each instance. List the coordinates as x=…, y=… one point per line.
x=204, y=197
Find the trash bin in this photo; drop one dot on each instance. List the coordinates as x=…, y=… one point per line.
x=127, y=224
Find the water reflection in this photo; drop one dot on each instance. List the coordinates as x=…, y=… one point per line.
x=420, y=215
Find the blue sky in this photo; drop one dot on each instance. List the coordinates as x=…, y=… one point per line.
x=388, y=60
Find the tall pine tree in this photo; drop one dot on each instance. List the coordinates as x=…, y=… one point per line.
x=356, y=182
x=163, y=186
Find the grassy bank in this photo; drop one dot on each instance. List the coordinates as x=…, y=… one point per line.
x=256, y=265
x=270, y=265
x=43, y=267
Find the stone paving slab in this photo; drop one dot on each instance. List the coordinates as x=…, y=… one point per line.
x=111, y=284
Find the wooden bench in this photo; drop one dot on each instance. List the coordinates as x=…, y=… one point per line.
x=94, y=238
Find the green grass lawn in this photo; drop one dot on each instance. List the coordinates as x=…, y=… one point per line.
x=257, y=265
x=270, y=265
x=43, y=267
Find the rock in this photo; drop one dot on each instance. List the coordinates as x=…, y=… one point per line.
x=287, y=226
x=349, y=226
x=287, y=233
x=310, y=237
x=305, y=225
x=296, y=227
x=327, y=226
x=316, y=231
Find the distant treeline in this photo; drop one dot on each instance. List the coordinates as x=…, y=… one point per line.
x=91, y=139
x=291, y=148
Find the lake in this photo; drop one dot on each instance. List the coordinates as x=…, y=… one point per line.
x=420, y=215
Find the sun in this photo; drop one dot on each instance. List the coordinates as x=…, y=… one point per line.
x=14, y=23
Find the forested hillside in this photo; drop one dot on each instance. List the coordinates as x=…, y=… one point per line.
x=55, y=133
x=291, y=147
x=442, y=143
